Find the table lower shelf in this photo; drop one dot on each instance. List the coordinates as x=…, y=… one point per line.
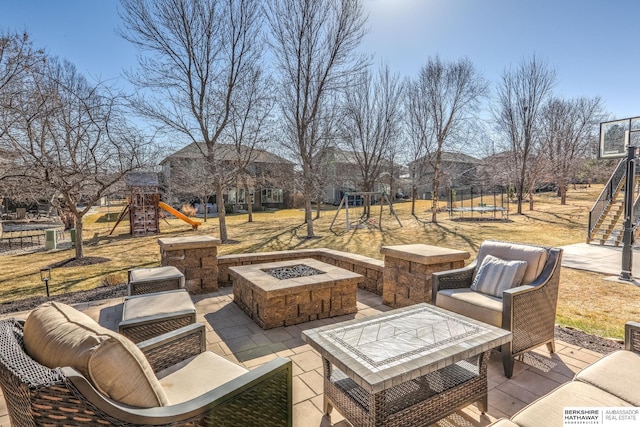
x=419, y=402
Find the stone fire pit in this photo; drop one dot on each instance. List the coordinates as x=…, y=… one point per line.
x=290, y=292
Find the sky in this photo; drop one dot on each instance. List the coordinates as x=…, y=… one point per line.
x=590, y=43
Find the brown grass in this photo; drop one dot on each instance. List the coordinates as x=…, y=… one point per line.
x=586, y=301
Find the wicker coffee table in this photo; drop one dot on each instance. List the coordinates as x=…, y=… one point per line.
x=407, y=367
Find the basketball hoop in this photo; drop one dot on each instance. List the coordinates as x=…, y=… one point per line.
x=616, y=136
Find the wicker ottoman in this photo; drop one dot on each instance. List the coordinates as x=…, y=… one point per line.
x=150, y=315
x=155, y=279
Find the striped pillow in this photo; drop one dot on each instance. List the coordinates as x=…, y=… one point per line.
x=495, y=275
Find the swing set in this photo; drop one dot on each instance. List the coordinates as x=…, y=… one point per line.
x=354, y=196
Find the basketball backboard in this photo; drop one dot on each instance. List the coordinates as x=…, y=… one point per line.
x=616, y=135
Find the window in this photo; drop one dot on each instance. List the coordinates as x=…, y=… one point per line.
x=236, y=196
x=271, y=195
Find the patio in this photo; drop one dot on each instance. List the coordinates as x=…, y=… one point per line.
x=230, y=332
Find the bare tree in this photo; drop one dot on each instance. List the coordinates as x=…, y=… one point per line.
x=313, y=44
x=420, y=133
x=522, y=94
x=539, y=173
x=444, y=102
x=203, y=57
x=371, y=124
x=17, y=58
x=191, y=177
x=70, y=139
x=568, y=127
x=251, y=128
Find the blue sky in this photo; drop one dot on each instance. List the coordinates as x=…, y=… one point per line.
x=590, y=43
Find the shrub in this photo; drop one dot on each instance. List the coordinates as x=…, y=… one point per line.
x=114, y=279
x=298, y=201
x=188, y=210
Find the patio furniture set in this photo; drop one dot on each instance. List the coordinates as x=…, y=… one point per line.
x=61, y=368
x=412, y=365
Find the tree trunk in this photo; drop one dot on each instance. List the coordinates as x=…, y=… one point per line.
x=221, y=213
x=563, y=194
x=307, y=215
x=520, y=196
x=247, y=199
x=434, y=195
x=434, y=208
x=79, y=245
x=414, y=191
x=318, y=206
x=530, y=200
x=205, y=202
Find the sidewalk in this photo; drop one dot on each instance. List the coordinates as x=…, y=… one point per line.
x=599, y=259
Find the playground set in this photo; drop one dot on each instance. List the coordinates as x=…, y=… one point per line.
x=348, y=198
x=144, y=207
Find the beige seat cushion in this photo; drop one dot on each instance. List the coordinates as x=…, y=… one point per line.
x=154, y=274
x=617, y=373
x=503, y=422
x=56, y=335
x=535, y=257
x=158, y=303
x=479, y=306
x=197, y=375
x=548, y=410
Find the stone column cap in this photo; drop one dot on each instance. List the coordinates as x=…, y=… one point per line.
x=424, y=254
x=188, y=242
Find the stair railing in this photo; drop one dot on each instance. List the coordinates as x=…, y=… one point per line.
x=636, y=212
x=601, y=203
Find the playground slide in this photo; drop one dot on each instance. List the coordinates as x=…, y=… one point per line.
x=194, y=224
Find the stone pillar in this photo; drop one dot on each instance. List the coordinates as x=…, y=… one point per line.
x=408, y=269
x=196, y=258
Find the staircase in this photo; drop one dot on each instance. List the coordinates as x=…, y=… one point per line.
x=606, y=218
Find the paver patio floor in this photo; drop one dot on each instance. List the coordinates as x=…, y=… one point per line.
x=232, y=334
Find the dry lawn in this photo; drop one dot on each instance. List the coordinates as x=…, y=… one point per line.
x=586, y=301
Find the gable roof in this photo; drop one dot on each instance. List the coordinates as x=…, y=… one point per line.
x=348, y=157
x=224, y=152
x=141, y=179
x=451, y=157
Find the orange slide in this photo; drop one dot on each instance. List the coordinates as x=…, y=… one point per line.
x=166, y=207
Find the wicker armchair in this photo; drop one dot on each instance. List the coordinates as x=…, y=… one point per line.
x=528, y=311
x=39, y=396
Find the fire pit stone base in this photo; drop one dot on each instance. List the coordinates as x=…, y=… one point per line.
x=273, y=302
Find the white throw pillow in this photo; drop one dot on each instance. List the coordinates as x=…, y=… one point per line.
x=495, y=275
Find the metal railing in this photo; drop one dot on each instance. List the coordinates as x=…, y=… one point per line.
x=21, y=240
x=609, y=190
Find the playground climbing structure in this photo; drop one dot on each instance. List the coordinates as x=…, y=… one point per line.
x=144, y=206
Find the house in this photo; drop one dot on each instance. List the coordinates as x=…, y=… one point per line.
x=341, y=174
x=187, y=175
x=498, y=171
x=457, y=170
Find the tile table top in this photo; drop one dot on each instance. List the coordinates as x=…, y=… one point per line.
x=384, y=350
